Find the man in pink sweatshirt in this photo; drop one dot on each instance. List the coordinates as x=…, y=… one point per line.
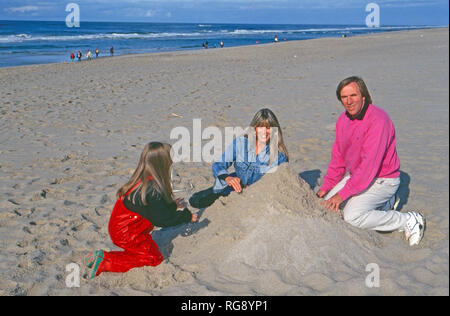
x=364, y=149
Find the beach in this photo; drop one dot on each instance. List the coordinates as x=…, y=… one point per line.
x=72, y=133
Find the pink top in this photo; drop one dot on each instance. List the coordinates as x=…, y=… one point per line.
x=364, y=148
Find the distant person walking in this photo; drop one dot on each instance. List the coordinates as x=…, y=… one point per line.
x=88, y=55
x=79, y=55
x=96, y=53
x=221, y=44
x=72, y=56
x=111, y=50
x=276, y=38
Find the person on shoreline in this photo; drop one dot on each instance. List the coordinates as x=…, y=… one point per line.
x=89, y=55
x=251, y=161
x=145, y=200
x=79, y=55
x=96, y=52
x=111, y=51
x=72, y=56
x=365, y=148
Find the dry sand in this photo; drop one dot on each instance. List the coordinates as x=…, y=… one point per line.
x=71, y=134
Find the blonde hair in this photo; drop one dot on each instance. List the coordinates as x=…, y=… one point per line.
x=155, y=162
x=266, y=118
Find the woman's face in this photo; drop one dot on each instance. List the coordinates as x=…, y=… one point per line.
x=263, y=134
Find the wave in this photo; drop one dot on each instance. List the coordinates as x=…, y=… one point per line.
x=14, y=38
x=18, y=38
x=323, y=30
x=26, y=37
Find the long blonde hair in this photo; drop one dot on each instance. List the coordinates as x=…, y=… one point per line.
x=266, y=118
x=155, y=162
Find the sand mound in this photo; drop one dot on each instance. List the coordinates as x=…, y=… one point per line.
x=270, y=239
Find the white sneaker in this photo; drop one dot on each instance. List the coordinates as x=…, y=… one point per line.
x=414, y=228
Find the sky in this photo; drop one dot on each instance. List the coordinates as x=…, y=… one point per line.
x=392, y=12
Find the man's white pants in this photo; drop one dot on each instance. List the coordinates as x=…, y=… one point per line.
x=373, y=208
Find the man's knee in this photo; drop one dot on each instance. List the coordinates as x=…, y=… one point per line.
x=349, y=218
x=354, y=216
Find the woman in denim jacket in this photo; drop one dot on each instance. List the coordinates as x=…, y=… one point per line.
x=253, y=154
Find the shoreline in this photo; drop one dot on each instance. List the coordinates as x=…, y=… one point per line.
x=214, y=48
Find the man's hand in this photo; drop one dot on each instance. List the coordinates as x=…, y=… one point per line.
x=194, y=218
x=332, y=204
x=321, y=193
x=235, y=183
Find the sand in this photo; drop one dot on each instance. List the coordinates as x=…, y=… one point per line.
x=71, y=134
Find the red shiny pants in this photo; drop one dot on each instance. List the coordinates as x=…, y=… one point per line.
x=131, y=232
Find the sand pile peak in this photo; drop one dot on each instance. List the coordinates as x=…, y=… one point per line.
x=269, y=238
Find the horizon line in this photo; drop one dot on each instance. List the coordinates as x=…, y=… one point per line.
x=148, y=22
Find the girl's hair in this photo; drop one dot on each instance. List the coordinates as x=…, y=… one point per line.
x=266, y=118
x=155, y=162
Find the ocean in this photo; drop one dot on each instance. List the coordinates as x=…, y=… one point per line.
x=36, y=42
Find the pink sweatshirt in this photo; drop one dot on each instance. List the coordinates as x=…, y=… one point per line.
x=366, y=149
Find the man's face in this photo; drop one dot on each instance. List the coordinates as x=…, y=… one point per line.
x=352, y=98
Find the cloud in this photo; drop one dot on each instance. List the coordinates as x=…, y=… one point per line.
x=296, y=3
x=271, y=4
x=258, y=11
x=24, y=9
x=150, y=13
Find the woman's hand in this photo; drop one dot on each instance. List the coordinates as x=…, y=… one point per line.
x=235, y=183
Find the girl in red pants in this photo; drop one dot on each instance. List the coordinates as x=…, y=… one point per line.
x=145, y=200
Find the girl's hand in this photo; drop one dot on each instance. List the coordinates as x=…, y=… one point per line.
x=194, y=218
x=235, y=183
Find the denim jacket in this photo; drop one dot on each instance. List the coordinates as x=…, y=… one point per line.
x=248, y=166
